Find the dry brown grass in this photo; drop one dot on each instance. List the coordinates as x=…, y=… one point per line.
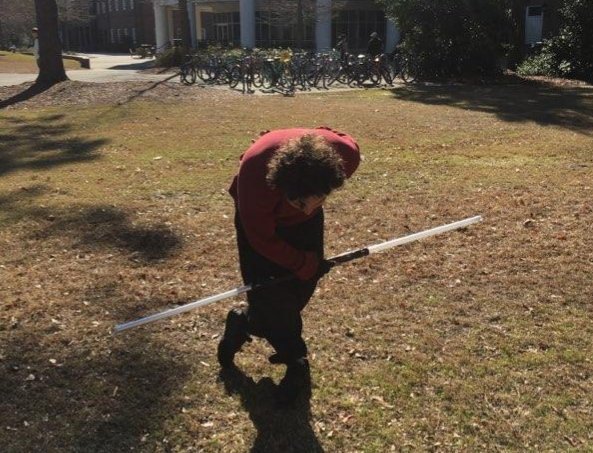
x=476, y=340
x=25, y=64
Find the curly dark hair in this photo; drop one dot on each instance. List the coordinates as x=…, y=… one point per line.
x=306, y=166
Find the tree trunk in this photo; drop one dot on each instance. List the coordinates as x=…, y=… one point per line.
x=185, y=27
x=51, y=65
x=516, y=53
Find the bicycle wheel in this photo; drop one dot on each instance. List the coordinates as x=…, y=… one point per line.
x=235, y=76
x=343, y=75
x=204, y=73
x=268, y=78
x=386, y=76
x=257, y=79
x=286, y=82
x=362, y=76
x=407, y=75
x=374, y=77
x=332, y=73
x=185, y=74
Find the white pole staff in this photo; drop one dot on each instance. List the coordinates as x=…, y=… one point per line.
x=336, y=260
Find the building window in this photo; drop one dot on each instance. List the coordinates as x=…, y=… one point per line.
x=223, y=28
x=358, y=25
x=112, y=35
x=273, y=30
x=131, y=4
x=134, y=35
x=123, y=5
x=116, y=5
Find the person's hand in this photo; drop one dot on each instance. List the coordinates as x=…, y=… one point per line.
x=313, y=268
x=323, y=268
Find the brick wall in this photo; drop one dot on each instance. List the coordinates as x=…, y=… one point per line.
x=123, y=24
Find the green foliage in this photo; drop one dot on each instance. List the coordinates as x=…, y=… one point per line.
x=452, y=37
x=539, y=64
x=171, y=57
x=142, y=52
x=572, y=48
x=570, y=53
x=230, y=52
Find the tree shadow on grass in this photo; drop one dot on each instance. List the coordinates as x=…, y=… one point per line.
x=66, y=384
x=91, y=227
x=30, y=92
x=137, y=66
x=140, y=93
x=64, y=394
x=286, y=430
x=43, y=143
x=570, y=108
x=109, y=227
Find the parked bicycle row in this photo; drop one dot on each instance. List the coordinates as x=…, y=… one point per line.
x=287, y=72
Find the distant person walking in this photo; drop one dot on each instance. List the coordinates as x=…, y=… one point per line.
x=35, y=33
x=375, y=46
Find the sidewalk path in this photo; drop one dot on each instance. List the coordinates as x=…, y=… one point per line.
x=104, y=68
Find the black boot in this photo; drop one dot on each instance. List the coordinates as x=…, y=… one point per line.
x=295, y=382
x=235, y=336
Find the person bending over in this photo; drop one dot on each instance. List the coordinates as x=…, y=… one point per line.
x=283, y=180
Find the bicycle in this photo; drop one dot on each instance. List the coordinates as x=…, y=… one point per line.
x=187, y=71
x=402, y=66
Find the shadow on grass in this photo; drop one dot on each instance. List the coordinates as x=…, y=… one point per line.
x=43, y=143
x=67, y=395
x=108, y=227
x=95, y=227
x=30, y=92
x=570, y=108
x=286, y=430
x=152, y=86
x=145, y=64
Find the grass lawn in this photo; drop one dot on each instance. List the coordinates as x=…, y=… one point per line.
x=17, y=63
x=478, y=340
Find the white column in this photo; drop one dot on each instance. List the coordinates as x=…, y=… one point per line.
x=160, y=26
x=392, y=36
x=198, y=20
x=323, y=25
x=170, y=25
x=191, y=12
x=247, y=13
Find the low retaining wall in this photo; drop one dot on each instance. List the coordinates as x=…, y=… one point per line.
x=85, y=62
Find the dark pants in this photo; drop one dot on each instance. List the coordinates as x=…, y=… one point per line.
x=274, y=313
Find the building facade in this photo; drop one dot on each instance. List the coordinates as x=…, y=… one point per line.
x=121, y=25
x=540, y=20
x=76, y=26
x=274, y=23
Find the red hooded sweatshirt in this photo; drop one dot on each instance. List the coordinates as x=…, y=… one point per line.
x=262, y=209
